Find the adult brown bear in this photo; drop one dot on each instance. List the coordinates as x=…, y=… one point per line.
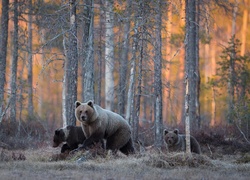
x=177, y=142
x=98, y=123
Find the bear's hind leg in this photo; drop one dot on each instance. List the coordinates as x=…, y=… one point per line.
x=128, y=148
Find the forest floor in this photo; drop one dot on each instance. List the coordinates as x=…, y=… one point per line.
x=42, y=164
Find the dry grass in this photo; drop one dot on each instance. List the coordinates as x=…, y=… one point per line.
x=39, y=164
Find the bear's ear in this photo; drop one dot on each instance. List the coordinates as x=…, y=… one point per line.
x=57, y=132
x=77, y=103
x=176, y=131
x=90, y=103
x=165, y=131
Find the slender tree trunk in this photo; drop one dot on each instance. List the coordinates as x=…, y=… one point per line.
x=109, y=55
x=124, y=61
x=88, y=93
x=191, y=60
x=21, y=89
x=142, y=9
x=231, y=83
x=30, y=63
x=187, y=94
x=167, y=90
x=64, y=88
x=191, y=76
x=181, y=70
x=139, y=84
x=213, y=122
x=244, y=28
x=3, y=52
x=71, y=67
x=197, y=70
x=187, y=117
x=64, y=116
x=13, y=85
x=41, y=92
x=157, y=77
x=130, y=100
x=100, y=56
x=213, y=72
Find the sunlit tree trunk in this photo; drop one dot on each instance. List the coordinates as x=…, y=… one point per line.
x=231, y=83
x=167, y=90
x=181, y=69
x=124, y=61
x=3, y=52
x=213, y=72
x=109, y=54
x=88, y=93
x=13, y=85
x=42, y=95
x=157, y=77
x=30, y=63
x=244, y=28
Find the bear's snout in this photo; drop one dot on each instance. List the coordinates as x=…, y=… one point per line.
x=55, y=144
x=83, y=117
x=170, y=141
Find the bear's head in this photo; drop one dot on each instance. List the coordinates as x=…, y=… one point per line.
x=85, y=112
x=171, y=137
x=60, y=136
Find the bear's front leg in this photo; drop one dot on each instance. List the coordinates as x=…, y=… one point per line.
x=94, y=138
x=65, y=148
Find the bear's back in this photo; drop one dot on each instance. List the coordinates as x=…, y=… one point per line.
x=111, y=120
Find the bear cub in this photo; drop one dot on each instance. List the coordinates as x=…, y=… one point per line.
x=72, y=135
x=177, y=142
x=98, y=124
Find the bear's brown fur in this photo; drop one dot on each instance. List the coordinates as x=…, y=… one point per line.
x=177, y=142
x=72, y=135
x=98, y=123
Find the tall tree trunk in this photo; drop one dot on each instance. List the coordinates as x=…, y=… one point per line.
x=130, y=99
x=21, y=90
x=109, y=55
x=167, y=90
x=64, y=116
x=3, y=52
x=181, y=70
x=71, y=67
x=244, y=28
x=30, y=63
x=142, y=9
x=13, y=85
x=231, y=83
x=88, y=79
x=42, y=95
x=100, y=56
x=157, y=77
x=124, y=61
x=197, y=62
x=139, y=84
x=213, y=66
x=191, y=76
